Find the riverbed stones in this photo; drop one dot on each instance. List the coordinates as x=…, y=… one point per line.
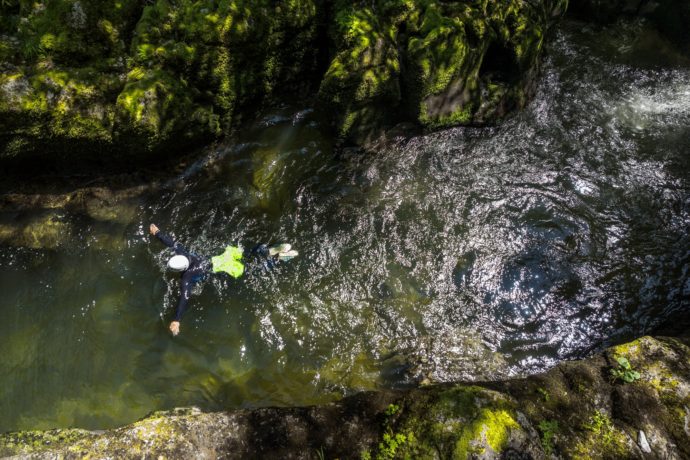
x=573, y=411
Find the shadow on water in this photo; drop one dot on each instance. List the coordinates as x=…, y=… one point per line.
x=465, y=254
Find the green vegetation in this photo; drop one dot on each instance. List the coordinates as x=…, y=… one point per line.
x=624, y=371
x=391, y=410
x=544, y=394
x=319, y=453
x=137, y=78
x=602, y=439
x=602, y=426
x=391, y=441
x=388, y=448
x=549, y=429
x=438, y=63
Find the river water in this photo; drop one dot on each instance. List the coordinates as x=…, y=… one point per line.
x=465, y=254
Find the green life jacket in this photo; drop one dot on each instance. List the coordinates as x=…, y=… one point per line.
x=229, y=262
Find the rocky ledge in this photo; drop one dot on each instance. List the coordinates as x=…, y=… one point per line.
x=139, y=81
x=631, y=401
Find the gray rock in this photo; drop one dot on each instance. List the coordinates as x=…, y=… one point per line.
x=642, y=441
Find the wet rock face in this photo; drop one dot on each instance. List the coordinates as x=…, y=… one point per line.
x=84, y=82
x=436, y=63
x=670, y=17
x=604, y=11
x=577, y=410
x=80, y=80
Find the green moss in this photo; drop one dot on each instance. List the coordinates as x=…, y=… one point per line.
x=602, y=439
x=361, y=84
x=628, y=350
x=549, y=429
x=460, y=116
x=191, y=68
x=493, y=425
x=456, y=423
x=662, y=379
x=152, y=100
x=26, y=442
x=438, y=70
x=439, y=52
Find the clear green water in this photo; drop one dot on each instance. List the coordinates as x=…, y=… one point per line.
x=465, y=254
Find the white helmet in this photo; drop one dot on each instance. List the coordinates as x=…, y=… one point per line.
x=178, y=263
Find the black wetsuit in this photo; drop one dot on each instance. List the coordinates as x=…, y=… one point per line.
x=200, y=267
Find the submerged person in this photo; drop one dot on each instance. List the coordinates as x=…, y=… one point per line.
x=195, y=268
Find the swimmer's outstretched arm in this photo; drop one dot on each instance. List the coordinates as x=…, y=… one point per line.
x=187, y=282
x=168, y=241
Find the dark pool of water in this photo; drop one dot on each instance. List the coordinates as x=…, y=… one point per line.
x=464, y=254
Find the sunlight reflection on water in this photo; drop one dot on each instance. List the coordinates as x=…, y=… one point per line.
x=464, y=254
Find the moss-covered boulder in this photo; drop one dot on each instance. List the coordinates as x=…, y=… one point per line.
x=435, y=62
x=80, y=80
x=83, y=81
x=587, y=409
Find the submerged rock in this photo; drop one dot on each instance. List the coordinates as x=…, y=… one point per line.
x=47, y=230
x=44, y=221
x=576, y=410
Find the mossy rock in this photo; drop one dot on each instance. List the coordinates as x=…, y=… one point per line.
x=572, y=411
x=600, y=417
x=438, y=63
x=458, y=422
x=135, y=81
x=361, y=86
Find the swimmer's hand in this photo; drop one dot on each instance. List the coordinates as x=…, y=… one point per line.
x=153, y=229
x=175, y=328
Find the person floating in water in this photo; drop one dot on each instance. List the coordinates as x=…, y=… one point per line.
x=195, y=268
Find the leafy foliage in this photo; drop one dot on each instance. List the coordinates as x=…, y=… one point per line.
x=548, y=428
x=601, y=425
x=624, y=371
x=392, y=409
x=544, y=394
